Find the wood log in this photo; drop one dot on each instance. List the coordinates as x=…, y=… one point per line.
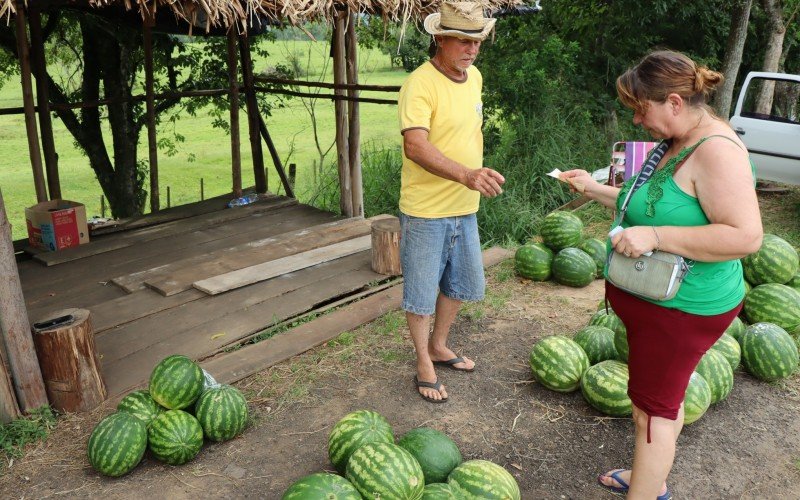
x=70, y=364
x=386, y=247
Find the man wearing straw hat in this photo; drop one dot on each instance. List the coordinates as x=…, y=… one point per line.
x=442, y=179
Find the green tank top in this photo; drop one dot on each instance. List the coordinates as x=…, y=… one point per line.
x=710, y=287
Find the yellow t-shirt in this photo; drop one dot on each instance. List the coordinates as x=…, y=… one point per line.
x=452, y=113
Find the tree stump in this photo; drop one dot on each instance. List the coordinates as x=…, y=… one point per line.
x=386, y=247
x=69, y=363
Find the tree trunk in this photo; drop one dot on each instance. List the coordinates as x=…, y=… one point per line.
x=740, y=18
x=772, y=56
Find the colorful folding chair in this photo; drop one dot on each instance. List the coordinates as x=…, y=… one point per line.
x=627, y=159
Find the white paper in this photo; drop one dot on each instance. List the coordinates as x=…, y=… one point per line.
x=555, y=173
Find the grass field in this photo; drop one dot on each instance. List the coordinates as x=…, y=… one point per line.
x=206, y=152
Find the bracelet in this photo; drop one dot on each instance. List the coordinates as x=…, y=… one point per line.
x=658, y=240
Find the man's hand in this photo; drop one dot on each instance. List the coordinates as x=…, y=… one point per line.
x=485, y=180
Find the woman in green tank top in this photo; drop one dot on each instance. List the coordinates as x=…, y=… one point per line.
x=699, y=203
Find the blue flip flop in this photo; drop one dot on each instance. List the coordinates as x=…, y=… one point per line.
x=623, y=488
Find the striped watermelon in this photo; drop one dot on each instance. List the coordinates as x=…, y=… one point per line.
x=534, y=261
x=561, y=230
x=175, y=437
x=140, y=405
x=436, y=453
x=558, y=363
x=747, y=287
x=775, y=262
x=768, y=352
x=176, y=382
x=605, y=387
x=621, y=344
x=117, y=444
x=773, y=303
x=354, y=430
x=595, y=249
x=481, y=479
x=385, y=471
x=610, y=320
x=697, y=398
x=222, y=412
x=321, y=486
x=794, y=282
x=714, y=367
x=573, y=267
x=597, y=342
x=601, y=306
x=736, y=329
x=730, y=348
x=438, y=491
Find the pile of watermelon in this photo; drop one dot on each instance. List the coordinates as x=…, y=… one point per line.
x=423, y=464
x=563, y=253
x=182, y=404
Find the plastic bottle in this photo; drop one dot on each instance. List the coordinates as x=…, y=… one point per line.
x=243, y=200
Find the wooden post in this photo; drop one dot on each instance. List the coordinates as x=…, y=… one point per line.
x=233, y=86
x=9, y=409
x=262, y=126
x=15, y=326
x=43, y=103
x=340, y=106
x=259, y=174
x=386, y=246
x=353, y=120
x=27, y=99
x=152, y=140
x=69, y=362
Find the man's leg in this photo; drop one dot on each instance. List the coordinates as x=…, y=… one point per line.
x=420, y=329
x=446, y=311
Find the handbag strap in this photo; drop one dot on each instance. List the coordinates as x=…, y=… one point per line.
x=644, y=174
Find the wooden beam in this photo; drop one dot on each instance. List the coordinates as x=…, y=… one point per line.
x=22, y=360
x=353, y=119
x=43, y=107
x=152, y=141
x=276, y=160
x=253, y=113
x=345, y=86
x=27, y=98
x=342, y=149
x=236, y=151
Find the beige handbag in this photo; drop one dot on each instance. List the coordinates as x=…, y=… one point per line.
x=656, y=275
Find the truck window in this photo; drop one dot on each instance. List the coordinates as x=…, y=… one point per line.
x=774, y=100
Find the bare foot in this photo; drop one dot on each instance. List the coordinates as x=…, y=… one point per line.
x=445, y=354
x=625, y=475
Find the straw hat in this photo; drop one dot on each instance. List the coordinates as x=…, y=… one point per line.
x=460, y=19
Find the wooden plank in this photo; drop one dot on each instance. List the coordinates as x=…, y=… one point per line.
x=256, y=252
x=93, y=293
x=202, y=340
x=134, y=306
x=267, y=270
x=236, y=365
x=154, y=232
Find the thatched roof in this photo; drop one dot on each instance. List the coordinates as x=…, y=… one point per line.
x=210, y=14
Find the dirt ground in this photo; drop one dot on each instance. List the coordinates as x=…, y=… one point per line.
x=554, y=444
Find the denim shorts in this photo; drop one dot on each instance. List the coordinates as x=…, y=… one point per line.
x=440, y=255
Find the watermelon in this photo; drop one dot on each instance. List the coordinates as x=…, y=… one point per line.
x=621, y=344
x=747, y=287
x=601, y=306
x=573, y=267
x=176, y=382
x=534, y=261
x=175, y=437
x=597, y=342
x=117, y=444
x=736, y=329
x=321, y=486
x=729, y=347
x=354, y=430
x=775, y=262
x=222, y=412
x=438, y=491
x=794, y=282
x=605, y=387
x=481, y=479
x=141, y=405
x=773, y=303
x=697, y=398
x=558, y=363
x=608, y=320
x=385, y=471
x=768, y=352
x=714, y=367
x=595, y=249
x=561, y=230
x=436, y=453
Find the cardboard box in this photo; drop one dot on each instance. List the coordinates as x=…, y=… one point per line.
x=56, y=224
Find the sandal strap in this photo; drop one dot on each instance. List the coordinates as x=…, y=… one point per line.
x=430, y=385
x=616, y=477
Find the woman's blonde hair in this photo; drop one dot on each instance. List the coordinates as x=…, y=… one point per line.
x=665, y=72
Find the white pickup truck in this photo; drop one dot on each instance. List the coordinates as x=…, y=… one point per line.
x=767, y=119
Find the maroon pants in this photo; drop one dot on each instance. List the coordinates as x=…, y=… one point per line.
x=665, y=346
